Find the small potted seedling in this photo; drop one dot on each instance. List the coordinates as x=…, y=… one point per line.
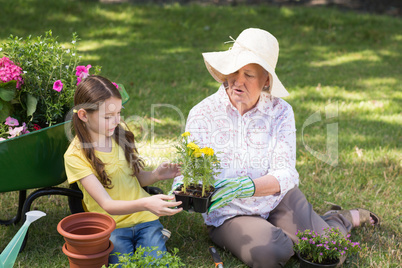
x=199, y=167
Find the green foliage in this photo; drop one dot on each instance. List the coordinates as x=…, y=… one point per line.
x=43, y=61
x=197, y=164
x=3, y=131
x=141, y=259
x=7, y=93
x=324, y=248
x=7, y=90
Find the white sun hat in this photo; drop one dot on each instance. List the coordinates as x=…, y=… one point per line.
x=251, y=46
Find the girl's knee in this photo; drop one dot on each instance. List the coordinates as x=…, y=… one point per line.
x=151, y=236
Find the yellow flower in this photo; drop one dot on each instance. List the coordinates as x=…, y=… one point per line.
x=185, y=134
x=193, y=146
x=197, y=153
x=207, y=151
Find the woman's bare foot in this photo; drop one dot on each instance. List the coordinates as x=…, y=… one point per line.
x=356, y=218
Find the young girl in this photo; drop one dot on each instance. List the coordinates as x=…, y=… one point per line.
x=104, y=162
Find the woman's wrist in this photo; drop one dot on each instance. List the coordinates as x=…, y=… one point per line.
x=266, y=185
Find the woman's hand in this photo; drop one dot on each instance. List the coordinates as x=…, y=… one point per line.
x=160, y=205
x=167, y=171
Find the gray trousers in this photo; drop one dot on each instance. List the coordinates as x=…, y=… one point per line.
x=269, y=243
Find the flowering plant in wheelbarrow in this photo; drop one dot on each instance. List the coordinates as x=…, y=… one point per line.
x=38, y=77
x=199, y=166
x=326, y=248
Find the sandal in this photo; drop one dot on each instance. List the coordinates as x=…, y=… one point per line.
x=333, y=206
x=364, y=216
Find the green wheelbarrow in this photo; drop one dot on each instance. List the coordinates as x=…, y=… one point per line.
x=35, y=161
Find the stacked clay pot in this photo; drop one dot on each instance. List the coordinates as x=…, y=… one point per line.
x=87, y=239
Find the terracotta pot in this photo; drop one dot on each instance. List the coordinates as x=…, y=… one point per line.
x=86, y=232
x=88, y=260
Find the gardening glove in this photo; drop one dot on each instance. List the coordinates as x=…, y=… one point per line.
x=229, y=189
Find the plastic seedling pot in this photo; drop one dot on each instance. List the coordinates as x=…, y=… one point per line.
x=192, y=200
x=201, y=204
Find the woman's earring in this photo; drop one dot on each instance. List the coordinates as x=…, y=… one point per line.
x=226, y=84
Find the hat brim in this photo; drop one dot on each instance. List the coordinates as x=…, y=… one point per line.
x=221, y=64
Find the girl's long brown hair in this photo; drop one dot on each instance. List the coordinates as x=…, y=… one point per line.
x=90, y=94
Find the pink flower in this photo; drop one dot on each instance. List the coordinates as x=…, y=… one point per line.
x=14, y=132
x=58, y=86
x=82, y=69
x=12, y=122
x=117, y=86
x=4, y=61
x=24, y=129
x=9, y=71
x=82, y=72
x=36, y=127
x=2, y=139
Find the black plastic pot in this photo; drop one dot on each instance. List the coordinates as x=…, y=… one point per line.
x=307, y=264
x=192, y=201
x=185, y=199
x=201, y=204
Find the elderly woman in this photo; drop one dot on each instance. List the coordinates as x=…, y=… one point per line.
x=258, y=206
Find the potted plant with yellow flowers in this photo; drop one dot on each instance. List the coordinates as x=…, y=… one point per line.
x=199, y=166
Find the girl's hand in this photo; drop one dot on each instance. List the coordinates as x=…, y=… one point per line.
x=158, y=205
x=167, y=171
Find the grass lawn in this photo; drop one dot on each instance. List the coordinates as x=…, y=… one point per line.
x=331, y=62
